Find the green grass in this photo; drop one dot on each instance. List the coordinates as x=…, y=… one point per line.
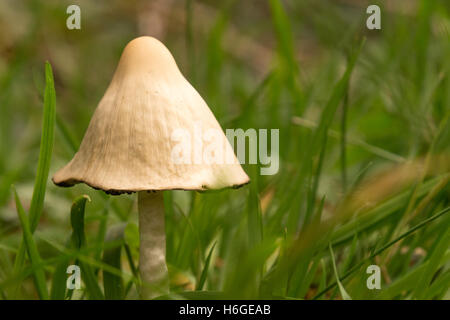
x=364, y=152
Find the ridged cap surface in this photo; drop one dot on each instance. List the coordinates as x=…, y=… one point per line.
x=129, y=143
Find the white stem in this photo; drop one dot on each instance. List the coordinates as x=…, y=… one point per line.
x=152, y=264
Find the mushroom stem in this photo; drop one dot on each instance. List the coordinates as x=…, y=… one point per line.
x=152, y=264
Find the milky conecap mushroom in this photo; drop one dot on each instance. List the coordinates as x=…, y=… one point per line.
x=128, y=147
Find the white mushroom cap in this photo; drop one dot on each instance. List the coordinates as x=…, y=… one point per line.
x=129, y=143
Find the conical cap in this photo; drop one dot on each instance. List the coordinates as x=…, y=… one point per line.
x=147, y=117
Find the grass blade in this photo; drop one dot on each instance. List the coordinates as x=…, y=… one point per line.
x=33, y=253
x=45, y=154
x=46, y=149
x=58, y=291
x=343, y=142
x=323, y=278
x=112, y=283
x=77, y=221
x=202, y=280
x=78, y=241
x=344, y=293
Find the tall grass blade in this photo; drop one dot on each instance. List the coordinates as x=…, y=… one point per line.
x=78, y=242
x=344, y=293
x=46, y=148
x=204, y=274
x=33, y=253
x=45, y=154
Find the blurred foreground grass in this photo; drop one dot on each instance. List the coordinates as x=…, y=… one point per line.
x=364, y=152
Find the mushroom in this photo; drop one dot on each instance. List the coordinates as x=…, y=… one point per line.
x=130, y=146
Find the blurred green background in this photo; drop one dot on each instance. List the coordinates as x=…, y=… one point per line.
x=364, y=160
